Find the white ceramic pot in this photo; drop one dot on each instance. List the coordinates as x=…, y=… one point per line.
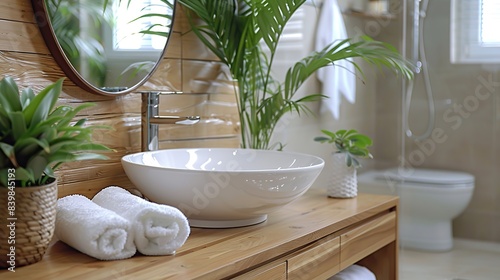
x=343, y=182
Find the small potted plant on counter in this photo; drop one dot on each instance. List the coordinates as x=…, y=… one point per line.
x=35, y=139
x=350, y=147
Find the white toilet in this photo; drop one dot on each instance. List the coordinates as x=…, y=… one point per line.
x=429, y=200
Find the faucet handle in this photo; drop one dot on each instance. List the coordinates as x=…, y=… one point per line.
x=174, y=120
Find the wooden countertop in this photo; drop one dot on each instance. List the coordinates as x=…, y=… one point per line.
x=219, y=253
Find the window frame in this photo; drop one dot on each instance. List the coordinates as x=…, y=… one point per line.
x=465, y=30
x=109, y=43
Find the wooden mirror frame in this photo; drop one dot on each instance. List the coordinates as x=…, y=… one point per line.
x=43, y=22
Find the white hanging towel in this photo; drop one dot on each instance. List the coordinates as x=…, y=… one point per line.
x=338, y=79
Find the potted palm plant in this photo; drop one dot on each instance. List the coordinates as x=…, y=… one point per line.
x=350, y=146
x=244, y=35
x=35, y=139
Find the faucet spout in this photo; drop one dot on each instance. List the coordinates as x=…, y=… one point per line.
x=150, y=119
x=174, y=120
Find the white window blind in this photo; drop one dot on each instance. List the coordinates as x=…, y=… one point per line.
x=490, y=23
x=475, y=35
x=292, y=33
x=291, y=45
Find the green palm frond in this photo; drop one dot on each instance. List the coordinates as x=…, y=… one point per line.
x=158, y=29
x=244, y=31
x=374, y=52
x=222, y=34
x=271, y=17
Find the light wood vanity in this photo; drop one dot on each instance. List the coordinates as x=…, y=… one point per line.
x=314, y=237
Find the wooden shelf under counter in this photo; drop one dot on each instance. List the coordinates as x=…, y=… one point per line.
x=313, y=237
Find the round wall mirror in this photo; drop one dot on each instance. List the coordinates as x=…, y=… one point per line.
x=107, y=47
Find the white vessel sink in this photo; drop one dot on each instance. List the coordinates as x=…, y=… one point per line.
x=222, y=187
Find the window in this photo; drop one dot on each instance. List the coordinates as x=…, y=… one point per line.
x=474, y=31
x=123, y=38
x=126, y=32
x=490, y=21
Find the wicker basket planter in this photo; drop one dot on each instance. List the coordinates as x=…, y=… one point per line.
x=343, y=181
x=30, y=225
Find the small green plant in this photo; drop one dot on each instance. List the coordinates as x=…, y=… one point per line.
x=350, y=142
x=36, y=138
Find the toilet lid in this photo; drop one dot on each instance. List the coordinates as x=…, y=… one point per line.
x=428, y=176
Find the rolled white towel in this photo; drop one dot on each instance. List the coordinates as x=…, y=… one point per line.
x=354, y=272
x=93, y=230
x=158, y=229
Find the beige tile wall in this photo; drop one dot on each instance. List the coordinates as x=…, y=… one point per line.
x=472, y=136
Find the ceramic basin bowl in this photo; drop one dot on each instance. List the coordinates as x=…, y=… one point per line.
x=222, y=187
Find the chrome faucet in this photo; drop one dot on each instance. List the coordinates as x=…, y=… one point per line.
x=150, y=119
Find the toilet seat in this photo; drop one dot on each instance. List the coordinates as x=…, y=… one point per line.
x=426, y=177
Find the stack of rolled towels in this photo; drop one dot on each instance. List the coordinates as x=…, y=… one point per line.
x=115, y=224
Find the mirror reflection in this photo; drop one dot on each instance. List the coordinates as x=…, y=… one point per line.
x=112, y=45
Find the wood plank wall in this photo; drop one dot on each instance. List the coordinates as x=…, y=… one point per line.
x=187, y=66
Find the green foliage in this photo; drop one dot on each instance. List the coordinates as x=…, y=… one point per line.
x=36, y=138
x=350, y=142
x=156, y=29
x=66, y=17
x=235, y=34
